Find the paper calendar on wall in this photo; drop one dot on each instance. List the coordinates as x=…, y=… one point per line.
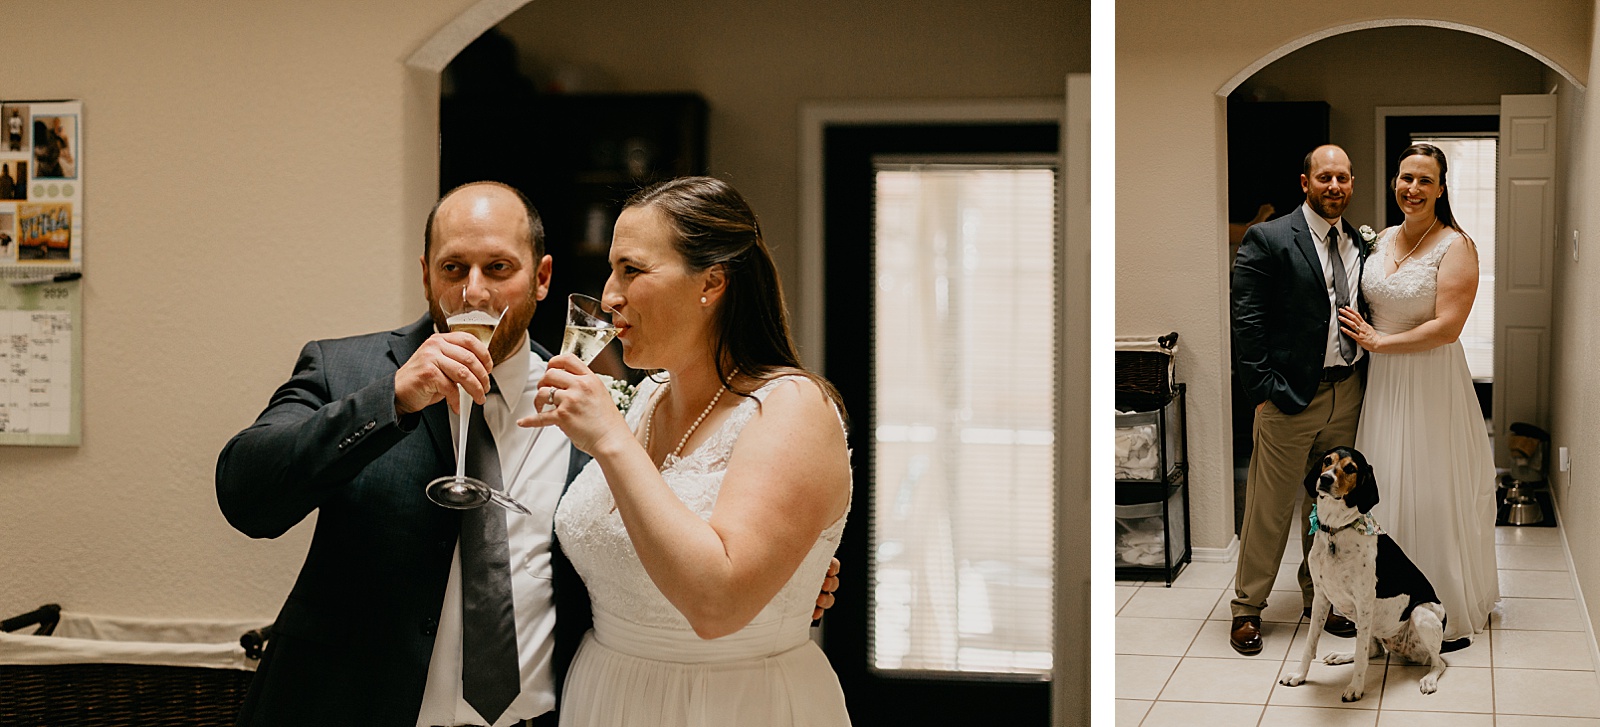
x=41, y=263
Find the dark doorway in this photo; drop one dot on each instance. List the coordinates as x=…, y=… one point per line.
x=1267, y=145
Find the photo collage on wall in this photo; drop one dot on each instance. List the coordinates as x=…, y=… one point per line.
x=41, y=184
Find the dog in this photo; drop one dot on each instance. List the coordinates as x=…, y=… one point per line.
x=1359, y=569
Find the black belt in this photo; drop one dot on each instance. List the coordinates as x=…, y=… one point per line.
x=1333, y=374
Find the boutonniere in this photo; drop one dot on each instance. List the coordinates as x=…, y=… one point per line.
x=1369, y=236
x=620, y=390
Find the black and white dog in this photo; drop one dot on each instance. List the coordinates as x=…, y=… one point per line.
x=1358, y=568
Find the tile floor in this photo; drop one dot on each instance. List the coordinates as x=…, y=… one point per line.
x=1532, y=668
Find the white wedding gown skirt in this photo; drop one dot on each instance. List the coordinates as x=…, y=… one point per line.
x=1423, y=432
x=643, y=665
x=771, y=674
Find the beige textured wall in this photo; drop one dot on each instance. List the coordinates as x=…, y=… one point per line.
x=252, y=183
x=1575, y=339
x=755, y=63
x=261, y=171
x=1173, y=58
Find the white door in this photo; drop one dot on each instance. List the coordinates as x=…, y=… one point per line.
x=1070, y=686
x=1525, y=265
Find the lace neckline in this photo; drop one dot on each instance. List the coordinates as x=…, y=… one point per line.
x=1429, y=258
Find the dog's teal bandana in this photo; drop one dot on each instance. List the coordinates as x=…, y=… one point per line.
x=1366, y=523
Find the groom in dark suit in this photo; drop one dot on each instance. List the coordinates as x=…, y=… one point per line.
x=354, y=435
x=1291, y=276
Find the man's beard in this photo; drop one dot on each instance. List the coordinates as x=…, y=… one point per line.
x=513, y=325
x=1330, y=209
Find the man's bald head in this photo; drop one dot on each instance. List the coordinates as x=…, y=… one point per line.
x=472, y=193
x=1327, y=181
x=1325, y=154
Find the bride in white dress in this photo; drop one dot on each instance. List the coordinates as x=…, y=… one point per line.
x=713, y=507
x=1421, y=426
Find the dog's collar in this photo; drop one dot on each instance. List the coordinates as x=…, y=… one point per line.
x=1366, y=523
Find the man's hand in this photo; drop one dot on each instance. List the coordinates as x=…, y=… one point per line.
x=829, y=585
x=432, y=373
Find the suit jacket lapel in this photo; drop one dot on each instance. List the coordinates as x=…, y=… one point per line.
x=1302, y=240
x=436, y=418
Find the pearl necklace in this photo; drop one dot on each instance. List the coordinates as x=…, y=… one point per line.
x=1417, y=244
x=650, y=419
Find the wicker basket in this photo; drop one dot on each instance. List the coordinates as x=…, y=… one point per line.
x=1144, y=373
x=58, y=677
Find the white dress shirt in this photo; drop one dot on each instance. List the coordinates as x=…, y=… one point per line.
x=1352, y=274
x=534, y=478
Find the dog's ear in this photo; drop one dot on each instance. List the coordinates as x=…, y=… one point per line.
x=1310, y=482
x=1365, y=495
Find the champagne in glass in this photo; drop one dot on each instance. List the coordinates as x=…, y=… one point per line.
x=586, y=342
x=589, y=328
x=476, y=322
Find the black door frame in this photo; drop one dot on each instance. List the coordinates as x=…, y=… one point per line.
x=847, y=176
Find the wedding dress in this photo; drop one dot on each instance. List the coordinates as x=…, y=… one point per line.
x=642, y=664
x=1422, y=431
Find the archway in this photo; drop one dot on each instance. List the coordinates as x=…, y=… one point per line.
x=1305, y=40
x=1355, y=86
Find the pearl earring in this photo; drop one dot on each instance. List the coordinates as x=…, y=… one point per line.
x=702, y=300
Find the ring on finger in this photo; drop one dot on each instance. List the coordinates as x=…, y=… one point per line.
x=552, y=402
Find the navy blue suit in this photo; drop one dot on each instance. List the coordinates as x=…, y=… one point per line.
x=352, y=643
x=1281, y=311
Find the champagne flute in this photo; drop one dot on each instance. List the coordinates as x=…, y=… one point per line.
x=459, y=491
x=589, y=331
x=589, y=328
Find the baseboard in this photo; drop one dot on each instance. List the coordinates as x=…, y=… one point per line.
x=1222, y=555
x=1577, y=588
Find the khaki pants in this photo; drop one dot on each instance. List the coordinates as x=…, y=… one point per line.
x=1286, y=447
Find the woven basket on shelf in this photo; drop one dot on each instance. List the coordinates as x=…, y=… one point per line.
x=113, y=695
x=1144, y=373
x=88, y=671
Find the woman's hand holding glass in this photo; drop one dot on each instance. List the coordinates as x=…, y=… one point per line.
x=575, y=399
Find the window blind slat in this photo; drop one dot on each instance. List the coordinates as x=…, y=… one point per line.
x=962, y=526
x=1471, y=181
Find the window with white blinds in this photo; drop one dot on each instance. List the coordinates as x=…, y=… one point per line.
x=1471, y=182
x=962, y=524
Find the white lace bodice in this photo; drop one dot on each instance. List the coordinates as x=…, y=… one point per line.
x=1404, y=299
x=592, y=534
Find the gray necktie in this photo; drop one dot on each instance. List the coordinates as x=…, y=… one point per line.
x=1341, y=293
x=490, y=678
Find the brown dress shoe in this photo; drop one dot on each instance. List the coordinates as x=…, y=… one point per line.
x=1246, y=635
x=1337, y=625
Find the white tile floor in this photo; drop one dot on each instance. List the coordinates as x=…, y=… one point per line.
x=1532, y=668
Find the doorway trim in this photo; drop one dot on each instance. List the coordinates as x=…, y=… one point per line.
x=1305, y=40
x=437, y=51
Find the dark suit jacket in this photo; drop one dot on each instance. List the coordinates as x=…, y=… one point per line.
x=352, y=643
x=1281, y=311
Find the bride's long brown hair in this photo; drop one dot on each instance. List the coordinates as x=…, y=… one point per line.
x=713, y=225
